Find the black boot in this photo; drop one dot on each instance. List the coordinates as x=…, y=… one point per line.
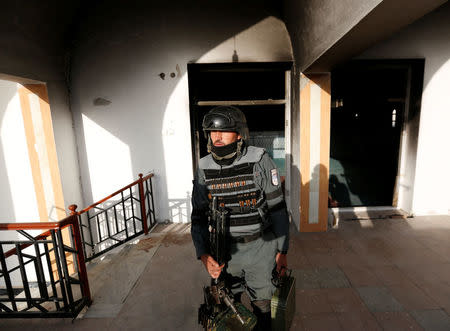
x=261, y=309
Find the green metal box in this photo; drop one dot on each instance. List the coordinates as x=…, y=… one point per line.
x=283, y=304
x=227, y=320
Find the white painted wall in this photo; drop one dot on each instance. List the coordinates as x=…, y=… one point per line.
x=428, y=38
x=17, y=195
x=29, y=55
x=121, y=52
x=18, y=201
x=17, y=189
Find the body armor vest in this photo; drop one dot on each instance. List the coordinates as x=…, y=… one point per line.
x=237, y=192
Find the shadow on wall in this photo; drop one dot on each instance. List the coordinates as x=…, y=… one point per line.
x=122, y=61
x=320, y=205
x=316, y=197
x=305, y=193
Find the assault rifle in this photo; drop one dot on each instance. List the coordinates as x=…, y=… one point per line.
x=218, y=233
x=219, y=312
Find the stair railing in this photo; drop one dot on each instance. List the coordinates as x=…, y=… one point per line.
x=117, y=218
x=40, y=276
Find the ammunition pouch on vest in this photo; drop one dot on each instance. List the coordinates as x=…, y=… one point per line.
x=237, y=192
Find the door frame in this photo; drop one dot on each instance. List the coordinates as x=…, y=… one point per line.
x=403, y=193
x=287, y=67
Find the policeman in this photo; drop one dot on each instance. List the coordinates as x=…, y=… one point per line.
x=245, y=181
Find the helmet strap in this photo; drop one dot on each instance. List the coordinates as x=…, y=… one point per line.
x=239, y=148
x=208, y=146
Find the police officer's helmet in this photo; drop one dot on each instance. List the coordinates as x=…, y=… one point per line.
x=226, y=118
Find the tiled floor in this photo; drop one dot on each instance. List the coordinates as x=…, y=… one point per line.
x=388, y=274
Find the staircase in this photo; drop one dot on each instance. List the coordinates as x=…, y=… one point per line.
x=46, y=275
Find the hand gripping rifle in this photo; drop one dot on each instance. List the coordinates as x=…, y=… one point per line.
x=219, y=311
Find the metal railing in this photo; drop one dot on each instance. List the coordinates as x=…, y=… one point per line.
x=118, y=218
x=43, y=276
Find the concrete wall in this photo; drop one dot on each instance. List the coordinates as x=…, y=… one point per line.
x=141, y=121
x=315, y=26
x=428, y=38
x=32, y=49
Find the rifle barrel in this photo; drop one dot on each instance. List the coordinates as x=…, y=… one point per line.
x=228, y=302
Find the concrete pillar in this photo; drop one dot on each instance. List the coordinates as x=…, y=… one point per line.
x=315, y=101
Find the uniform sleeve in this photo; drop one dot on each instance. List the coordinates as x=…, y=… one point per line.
x=199, y=216
x=271, y=185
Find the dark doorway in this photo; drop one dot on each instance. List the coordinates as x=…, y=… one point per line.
x=258, y=89
x=367, y=118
